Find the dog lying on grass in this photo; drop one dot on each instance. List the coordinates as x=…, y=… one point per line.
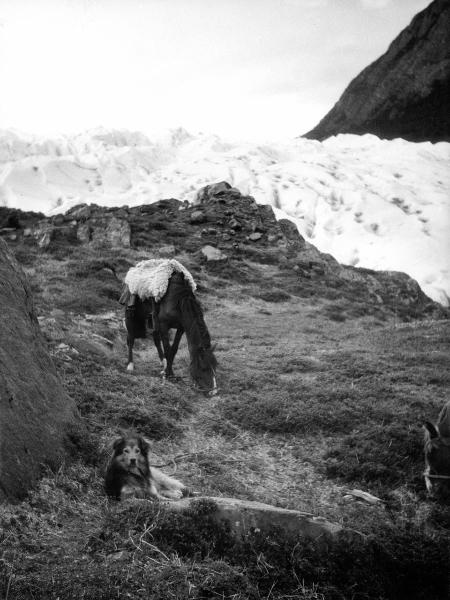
x=129, y=474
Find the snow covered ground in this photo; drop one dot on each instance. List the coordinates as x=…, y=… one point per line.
x=368, y=202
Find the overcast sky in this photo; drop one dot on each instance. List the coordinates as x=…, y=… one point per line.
x=242, y=68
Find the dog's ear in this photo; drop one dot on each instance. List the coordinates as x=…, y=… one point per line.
x=117, y=443
x=144, y=444
x=431, y=430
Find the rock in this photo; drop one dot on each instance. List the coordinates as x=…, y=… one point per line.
x=80, y=212
x=406, y=92
x=254, y=237
x=35, y=412
x=58, y=220
x=243, y=516
x=118, y=233
x=235, y=225
x=166, y=251
x=198, y=216
x=291, y=233
x=105, y=230
x=84, y=233
x=43, y=234
x=213, y=254
x=215, y=190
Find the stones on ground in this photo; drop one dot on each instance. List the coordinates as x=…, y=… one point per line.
x=254, y=237
x=213, y=254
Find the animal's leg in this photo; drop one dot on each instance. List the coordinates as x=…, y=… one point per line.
x=164, y=331
x=130, y=344
x=174, y=349
x=428, y=483
x=157, y=340
x=168, y=487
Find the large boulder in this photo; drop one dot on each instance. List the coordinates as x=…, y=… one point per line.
x=244, y=516
x=406, y=92
x=35, y=412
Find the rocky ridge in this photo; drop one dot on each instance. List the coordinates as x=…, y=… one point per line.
x=228, y=234
x=406, y=92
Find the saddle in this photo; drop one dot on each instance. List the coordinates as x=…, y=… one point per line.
x=128, y=300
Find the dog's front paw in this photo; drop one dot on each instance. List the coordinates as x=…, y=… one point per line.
x=188, y=493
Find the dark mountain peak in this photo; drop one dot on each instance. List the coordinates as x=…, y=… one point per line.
x=406, y=92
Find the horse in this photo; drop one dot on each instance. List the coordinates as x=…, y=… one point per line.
x=178, y=309
x=437, y=453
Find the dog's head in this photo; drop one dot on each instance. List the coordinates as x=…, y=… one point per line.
x=131, y=454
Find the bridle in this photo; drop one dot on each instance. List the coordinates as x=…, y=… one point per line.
x=430, y=476
x=204, y=390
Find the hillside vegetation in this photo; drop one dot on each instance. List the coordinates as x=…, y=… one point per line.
x=322, y=388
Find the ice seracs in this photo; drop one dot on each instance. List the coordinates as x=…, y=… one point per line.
x=369, y=202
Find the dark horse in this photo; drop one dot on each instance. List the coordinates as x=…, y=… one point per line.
x=437, y=454
x=178, y=309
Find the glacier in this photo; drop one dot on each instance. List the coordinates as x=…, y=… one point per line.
x=369, y=202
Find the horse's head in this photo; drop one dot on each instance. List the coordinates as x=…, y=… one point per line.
x=203, y=370
x=437, y=454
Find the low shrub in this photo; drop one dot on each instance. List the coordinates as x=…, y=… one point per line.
x=273, y=295
x=387, y=454
x=303, y=408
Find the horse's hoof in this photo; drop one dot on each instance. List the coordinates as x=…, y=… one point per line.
x=213, y=393
x=130, y=367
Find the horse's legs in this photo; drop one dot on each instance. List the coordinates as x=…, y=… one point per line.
x=164, y=332
x=130, y=344
x=174, y=349
x=157, y=339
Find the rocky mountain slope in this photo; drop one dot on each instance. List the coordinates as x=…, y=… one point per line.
x=406, y=92
x=370, y=203
x=229, y=232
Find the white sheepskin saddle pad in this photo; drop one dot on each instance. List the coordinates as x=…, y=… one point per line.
x=151, y=277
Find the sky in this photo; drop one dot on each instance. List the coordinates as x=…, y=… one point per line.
x=247, y=69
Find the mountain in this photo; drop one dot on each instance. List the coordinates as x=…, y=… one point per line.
x=370, y=203
x=406, y=92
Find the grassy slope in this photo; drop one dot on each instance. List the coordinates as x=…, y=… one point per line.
x=310, y=406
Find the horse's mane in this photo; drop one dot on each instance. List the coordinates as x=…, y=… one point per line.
x=192, y=315
x=192, y=311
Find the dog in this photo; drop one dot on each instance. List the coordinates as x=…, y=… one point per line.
x=129, y=474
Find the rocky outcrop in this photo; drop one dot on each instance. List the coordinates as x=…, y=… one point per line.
x=245, y=516
x=231, y=235
x=406, y=92
x=35, y=412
